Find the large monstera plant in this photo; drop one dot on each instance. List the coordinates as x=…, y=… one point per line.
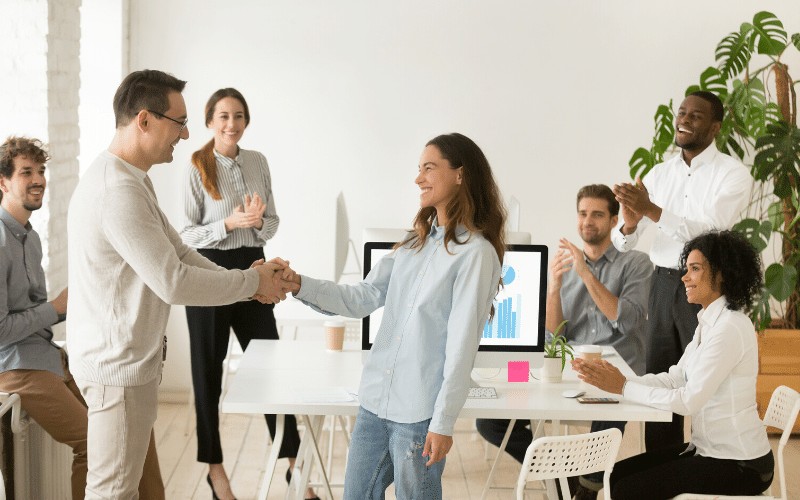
x=760, y=128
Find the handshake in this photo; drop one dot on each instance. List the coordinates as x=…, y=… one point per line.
x=275, y=280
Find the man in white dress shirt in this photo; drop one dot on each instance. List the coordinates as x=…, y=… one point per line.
x=698, y=190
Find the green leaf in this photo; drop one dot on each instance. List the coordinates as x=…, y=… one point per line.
x=778, y=157
x=748, y=102
x=761, y=314
x=665, y=128
x=796, y=40
x=772, y=113
x=691, y=89
x=714, y=81
x=726, y=139
x=780, y=280
x=768, y=34
x=641, y=163
x=733, y=53
x=757, y=233
x=775, y=214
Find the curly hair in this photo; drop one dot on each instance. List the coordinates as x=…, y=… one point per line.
x=20, y=146
x=730, y=255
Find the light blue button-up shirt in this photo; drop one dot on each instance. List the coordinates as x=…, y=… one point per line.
x=436, y=304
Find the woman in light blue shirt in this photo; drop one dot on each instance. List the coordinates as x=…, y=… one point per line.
x=437, y=289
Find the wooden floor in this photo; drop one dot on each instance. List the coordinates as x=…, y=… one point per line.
x=244, y=442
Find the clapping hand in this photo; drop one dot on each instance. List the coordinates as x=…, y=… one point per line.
x=600, y=374
x=247, y=215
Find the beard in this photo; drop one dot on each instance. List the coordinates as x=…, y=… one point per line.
x=595, y=238
x=32, y=206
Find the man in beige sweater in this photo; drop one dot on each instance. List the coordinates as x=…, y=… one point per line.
x=126, y=266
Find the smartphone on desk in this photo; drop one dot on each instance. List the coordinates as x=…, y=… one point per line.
x=586, y=400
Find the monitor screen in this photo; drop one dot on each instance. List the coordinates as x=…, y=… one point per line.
x=518, y=323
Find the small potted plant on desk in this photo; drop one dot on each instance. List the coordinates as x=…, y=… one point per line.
x=556, y=351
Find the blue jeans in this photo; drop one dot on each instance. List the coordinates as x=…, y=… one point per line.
x=383, y=452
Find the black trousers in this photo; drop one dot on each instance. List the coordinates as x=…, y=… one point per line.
x=209, y=330
x=671, y=323
x=668, y=472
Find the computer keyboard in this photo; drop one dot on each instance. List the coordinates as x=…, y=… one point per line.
x=482, y=393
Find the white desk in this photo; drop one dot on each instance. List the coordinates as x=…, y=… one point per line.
x=291, y=377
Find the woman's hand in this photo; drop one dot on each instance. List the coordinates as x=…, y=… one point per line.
x=600, y=374
x=437, y=446
x=248, y=215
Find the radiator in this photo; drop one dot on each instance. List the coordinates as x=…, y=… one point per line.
x=42, y=466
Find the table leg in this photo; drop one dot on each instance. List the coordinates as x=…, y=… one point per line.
x=313, y=429
x=272, y=458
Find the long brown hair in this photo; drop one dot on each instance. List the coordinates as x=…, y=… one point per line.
x=203, y=159
x=477, y=204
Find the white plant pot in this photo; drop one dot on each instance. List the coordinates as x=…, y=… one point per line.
x=551, y=370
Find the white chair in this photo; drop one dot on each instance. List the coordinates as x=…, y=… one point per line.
x=782, y=411
x=552, y=457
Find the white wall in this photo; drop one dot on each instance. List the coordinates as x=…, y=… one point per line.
x=344, y=95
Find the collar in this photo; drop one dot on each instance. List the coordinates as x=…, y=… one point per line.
x=710, y=315
x=437, y=231
x=19, y=231
x=226, y=161
x=610, y=255
x=705, y=158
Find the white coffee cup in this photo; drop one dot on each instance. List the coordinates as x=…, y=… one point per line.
x=334, y=334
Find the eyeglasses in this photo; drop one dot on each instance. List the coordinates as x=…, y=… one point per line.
x=181, y=123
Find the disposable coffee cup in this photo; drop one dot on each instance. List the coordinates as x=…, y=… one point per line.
x=334, y=335
x=590, y=352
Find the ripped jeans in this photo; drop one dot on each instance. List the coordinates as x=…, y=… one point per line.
x=383, y=452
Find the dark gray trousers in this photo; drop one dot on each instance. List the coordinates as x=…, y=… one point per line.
x=671, y=323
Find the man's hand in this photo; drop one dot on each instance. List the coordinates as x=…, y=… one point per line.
x=562, y=263
x=60, y=303
x=600, y=374
x=637, y=199
x=576, y=254
x=437, y=446
x=269, y=289
x=630, y=219
x=284, y=280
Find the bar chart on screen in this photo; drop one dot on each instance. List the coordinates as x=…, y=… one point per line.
x=516, y=303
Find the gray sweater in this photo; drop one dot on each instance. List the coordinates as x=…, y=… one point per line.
x=127, y=264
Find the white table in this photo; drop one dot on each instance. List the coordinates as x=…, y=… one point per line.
x=293, y=377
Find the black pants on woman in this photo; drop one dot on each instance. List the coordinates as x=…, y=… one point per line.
x=209, y=329
x=668, y=472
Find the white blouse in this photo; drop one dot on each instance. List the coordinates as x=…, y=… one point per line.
x=715, y=383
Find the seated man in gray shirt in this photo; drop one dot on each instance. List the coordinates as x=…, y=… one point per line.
x=603, y=295
x=31, y=365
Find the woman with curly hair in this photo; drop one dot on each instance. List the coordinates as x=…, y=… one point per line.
x=714, y=382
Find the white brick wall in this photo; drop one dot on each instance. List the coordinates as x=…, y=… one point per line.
x=39, y=61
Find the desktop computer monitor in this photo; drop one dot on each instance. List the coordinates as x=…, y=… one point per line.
x=516, y=333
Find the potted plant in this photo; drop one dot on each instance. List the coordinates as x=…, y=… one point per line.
x=556, y=351
x=752, y=79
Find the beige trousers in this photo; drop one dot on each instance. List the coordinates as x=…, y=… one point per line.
x=56, y=404
x=120, y=439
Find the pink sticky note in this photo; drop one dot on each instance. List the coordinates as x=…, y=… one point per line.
x=518, y=371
